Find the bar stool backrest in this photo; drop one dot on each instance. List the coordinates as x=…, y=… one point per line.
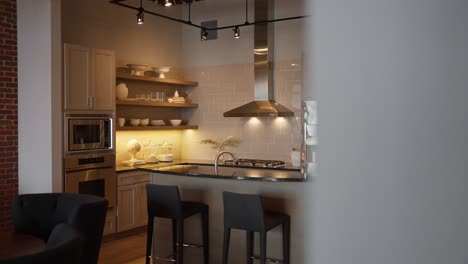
x=163, y=201
x=243, y=211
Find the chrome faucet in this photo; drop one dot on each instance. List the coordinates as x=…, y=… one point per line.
x=219, y=155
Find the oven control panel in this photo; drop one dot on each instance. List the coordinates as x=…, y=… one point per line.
x=92, y=161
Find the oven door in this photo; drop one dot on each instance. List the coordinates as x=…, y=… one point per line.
x=86, y=134
x=98, y=182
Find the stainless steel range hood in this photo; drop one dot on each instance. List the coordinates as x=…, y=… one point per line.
x=264, y=37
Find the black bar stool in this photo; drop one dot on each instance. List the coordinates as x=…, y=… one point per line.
x=164, y=202
x=245, y=212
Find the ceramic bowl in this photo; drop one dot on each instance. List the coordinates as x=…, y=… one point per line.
x=144, y=122
x=157, y=123
x=162, y=71
x=137, y=69
x=135, y=122
x=175, y=122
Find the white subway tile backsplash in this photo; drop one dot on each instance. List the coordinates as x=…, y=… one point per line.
x=224, y=87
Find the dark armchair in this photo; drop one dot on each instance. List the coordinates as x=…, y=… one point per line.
x=64, y=246
x=38, y=214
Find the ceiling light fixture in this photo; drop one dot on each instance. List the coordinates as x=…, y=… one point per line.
x=236, y=32
x=168, y=3
x=188, y=22
x=141, y=14
x=204, y=35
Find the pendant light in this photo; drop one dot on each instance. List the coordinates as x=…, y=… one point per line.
x=204, y=35
x=236, y=32
x=168, y=3
x=141, y=14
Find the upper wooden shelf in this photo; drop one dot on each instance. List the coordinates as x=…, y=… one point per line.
x=155, y=104
x=125, y=76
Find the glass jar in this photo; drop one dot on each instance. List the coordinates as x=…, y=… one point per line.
x=165, y=152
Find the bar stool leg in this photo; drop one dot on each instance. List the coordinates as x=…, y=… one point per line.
x=149, y=239
x=206, y=238
x=227, y=237
x=263, y=246
x=286, y=240
x=180, y=241
x=174, y=238
x=250, y=237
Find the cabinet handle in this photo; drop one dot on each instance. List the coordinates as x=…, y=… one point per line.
x=89, y=102
x=94, y=102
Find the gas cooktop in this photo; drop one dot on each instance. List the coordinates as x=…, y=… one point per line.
x=255, y=163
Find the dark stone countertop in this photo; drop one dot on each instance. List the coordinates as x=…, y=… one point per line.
x=205, y=169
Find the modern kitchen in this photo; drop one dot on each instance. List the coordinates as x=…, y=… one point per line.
x=206, y=96
x=186, y=131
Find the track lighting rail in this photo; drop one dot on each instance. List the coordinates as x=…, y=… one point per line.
x=189, y=23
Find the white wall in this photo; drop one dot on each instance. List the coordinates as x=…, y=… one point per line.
x=39, y=96
x=391, y=78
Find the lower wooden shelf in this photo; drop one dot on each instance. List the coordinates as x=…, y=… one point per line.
x=149, y=128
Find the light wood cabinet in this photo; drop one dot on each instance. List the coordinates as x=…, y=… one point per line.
x=110, y=225
x=103, y=77
x=89, y=78
x=77, y=77
x=131, y=200
x=142, y=212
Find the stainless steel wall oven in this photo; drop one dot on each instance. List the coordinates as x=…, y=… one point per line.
x=92, y=174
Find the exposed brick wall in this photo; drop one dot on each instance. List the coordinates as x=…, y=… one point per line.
x=8, y=110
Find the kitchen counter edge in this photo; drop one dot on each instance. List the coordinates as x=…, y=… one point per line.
x=155, y=169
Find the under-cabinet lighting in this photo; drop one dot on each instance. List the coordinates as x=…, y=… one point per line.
x=253, y=121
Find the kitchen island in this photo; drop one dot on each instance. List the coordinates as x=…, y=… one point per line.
x=282, y=191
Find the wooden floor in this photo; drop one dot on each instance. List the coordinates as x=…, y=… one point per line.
x=124, y=250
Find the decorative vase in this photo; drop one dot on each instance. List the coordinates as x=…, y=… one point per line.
x=122, y=91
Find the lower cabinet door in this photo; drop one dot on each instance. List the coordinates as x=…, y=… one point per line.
x=127, y=197
x=142, y=204
x=110, y=223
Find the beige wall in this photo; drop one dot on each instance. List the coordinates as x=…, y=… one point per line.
x=289, y=35
x=96, y=23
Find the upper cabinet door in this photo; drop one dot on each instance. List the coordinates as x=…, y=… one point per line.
x=103, y=79
x=77, y=77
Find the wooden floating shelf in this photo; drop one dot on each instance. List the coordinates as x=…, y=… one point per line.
x=125, y=76
x=155, y=104
x=151, y=128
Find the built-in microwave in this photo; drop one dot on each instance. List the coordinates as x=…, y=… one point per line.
x=89, y=132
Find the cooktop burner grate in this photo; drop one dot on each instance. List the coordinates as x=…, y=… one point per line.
x=256, y=163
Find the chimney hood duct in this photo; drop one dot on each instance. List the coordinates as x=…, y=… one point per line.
x=264, y=37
